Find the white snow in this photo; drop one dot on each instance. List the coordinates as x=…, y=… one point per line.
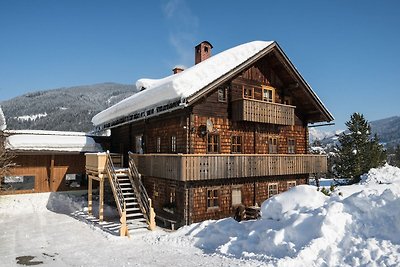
x=357, y=225
x=44, y=132
x=181, y=85
x=52, y=142
x=3, y=124
x=31, y=117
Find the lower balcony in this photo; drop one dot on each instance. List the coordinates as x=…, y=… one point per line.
x=193, y=167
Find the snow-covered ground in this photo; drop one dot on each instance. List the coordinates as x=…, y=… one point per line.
x=357, y=225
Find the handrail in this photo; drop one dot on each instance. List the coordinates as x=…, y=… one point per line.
x=116, y=188
x=140, y=191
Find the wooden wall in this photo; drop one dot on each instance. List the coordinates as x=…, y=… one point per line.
x=192, y=200
x=40, y=167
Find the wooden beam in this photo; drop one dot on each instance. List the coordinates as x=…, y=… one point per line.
x=101, y=200
x=90, y=196
x=52, y=181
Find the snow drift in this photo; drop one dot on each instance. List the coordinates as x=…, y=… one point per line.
x=303, y=227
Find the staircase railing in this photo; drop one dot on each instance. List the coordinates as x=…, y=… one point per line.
x=115, y=186
x=141, y=193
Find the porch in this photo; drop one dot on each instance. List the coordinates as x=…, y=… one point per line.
x=194, y=167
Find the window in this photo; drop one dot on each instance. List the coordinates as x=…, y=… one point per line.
x=291, y=146
x=73, y=180
x=212, y=198
x=291, y=184
x=236, y=142
x=236, y=196
x=273, y=145
x=18, y=183
x=268, y=94
x=173, y=144
x=272, y=189
x=158, y=145
x=213, y=143
x=248, y=92
x=139, y=144
x=222, y=94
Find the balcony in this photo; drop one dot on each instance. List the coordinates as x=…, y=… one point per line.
x=261, y=111
x=194, y=167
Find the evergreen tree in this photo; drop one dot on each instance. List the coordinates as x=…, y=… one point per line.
x=395, y=160
x=357, y=151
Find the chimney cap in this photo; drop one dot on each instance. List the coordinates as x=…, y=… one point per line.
x=205, y=42
x=178, y=69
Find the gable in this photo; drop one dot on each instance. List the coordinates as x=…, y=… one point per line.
x=185, y=88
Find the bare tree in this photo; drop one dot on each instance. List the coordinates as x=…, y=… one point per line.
x=6, y=159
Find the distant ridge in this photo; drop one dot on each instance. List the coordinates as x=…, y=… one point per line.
x=388, y=130
x=63, y=109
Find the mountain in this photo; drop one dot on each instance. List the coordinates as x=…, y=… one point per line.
x=388, y=130
x=63, y=109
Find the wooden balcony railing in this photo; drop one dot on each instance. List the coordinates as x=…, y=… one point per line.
x=190, y=167
x=261, y=111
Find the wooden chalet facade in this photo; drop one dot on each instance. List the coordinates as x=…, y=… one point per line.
x=239, y=139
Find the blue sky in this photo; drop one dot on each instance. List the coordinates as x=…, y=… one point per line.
x=348, y=51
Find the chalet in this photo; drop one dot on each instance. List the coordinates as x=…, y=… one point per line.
x=230, y=130
x=47, y=161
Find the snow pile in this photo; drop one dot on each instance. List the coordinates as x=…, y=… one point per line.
x=47, y=142
x=385, y=175
x=183, y=84
x=303, y=227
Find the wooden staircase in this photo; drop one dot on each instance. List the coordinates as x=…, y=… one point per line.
x=128, y=191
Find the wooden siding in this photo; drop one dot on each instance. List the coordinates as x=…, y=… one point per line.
x=261, y=111
x=48, y=178
x=207, y=167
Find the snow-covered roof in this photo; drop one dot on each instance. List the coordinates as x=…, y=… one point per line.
x=181, y=85
x=33, y=140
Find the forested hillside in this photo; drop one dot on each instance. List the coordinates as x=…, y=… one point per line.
x=63, y=109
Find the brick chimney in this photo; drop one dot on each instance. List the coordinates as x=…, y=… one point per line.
x=202, y=51
x=177, y=70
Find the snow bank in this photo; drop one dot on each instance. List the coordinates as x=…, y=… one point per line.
x=303, y=227
x=183, y=84
x=385, y=175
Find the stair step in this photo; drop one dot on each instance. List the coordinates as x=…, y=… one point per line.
x=120, y=175
x=130, y=198
x=131, y=204
x=123, y=179
x=126, y=188
x=121, y=184
x=134, y=215
x=128, y=194
x=132, y=209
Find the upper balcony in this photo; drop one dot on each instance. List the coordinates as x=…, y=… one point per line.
x=194, y=167
x=262, y=111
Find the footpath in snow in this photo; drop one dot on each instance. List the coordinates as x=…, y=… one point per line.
x=356, y=225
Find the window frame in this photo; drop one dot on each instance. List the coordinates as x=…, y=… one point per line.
x=272, y=148
x=291, y=147
x=246, y=88
x=290, y=182
x=212, y=198
x=269, y=189
x=158, y=144
x=237, y=190
x=222, y=94
x=173, y=143
x=268, y=88
x=235, y=145
x=213, y=144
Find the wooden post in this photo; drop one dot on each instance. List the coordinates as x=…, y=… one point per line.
x=123, y=231
x=101, y=199
x=51, y=182
x=152, y=217
x=90, y=196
